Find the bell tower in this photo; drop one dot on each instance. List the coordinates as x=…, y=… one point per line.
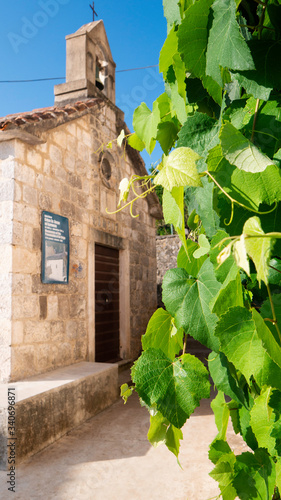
x=90, y=69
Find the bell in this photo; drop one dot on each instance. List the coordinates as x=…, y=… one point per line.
x=99, y=83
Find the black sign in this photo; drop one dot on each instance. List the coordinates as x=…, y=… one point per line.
x=55, y=248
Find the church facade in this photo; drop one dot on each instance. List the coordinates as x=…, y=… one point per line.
x=77, y=282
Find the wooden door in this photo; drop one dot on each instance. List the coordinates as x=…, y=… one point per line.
x=106, y=304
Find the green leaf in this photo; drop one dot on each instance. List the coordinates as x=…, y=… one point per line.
x=229, y=295
x=240, y=254
x=188, y=301
x=173, y=89
x=126, y=392
x=228, y=270
x=162, y=432
x=269, y=343
x=266, y=312
x=262, y=421
x=248, y=188
x=278, y=473
x=157, y=430
x=173, y=439
x=162, y=334
x=192, y=41
x=242, y=346
x=225, y=377
x=255, y=476
x=224, y=473
x=226, y=46
x=145, y=124
x=257, y=248
x=167, y=133
x=204, y=247
x=191, y=265
x=222, y=413
x=274, y=272
x=176, y=387
x=219, y=448
x=135, y=142
x=179, y=170
x=193, y=221
x=193, y=37
x=267, y=76
x=203, y=202
x=245, y=428
x=169, y=49
x=172, y=12
x=173, y=210
x=241, y=152
x=200, y=132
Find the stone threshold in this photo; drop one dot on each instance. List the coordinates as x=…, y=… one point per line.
x=50, y=405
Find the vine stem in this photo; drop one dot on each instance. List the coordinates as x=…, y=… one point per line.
x=235, y=201
x=273, y=311
x=274, y=268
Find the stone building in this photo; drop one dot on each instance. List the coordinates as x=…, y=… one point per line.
x=53, y=168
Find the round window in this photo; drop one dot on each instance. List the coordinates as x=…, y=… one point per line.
x=106, y=169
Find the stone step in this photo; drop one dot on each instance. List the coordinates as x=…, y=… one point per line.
x=124, y=364
x=50, y=405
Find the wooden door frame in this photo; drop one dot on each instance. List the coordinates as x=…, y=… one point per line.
x=109, y=240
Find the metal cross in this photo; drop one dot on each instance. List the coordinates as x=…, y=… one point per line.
x=93, y=9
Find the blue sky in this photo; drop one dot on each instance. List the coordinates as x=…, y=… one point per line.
x=33, y=46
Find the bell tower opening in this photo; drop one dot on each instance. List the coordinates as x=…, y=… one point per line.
x=90, y=69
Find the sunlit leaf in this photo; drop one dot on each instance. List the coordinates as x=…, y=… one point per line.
x=241, y=152
x=258, y=248
x=162, y=334
x=179, y=170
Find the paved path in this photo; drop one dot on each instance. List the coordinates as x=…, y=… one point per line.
x=109, y=458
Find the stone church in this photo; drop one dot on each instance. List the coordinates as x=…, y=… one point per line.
x=77, y=283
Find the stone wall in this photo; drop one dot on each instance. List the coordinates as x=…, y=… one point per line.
x=167, y=248
x=51, y=323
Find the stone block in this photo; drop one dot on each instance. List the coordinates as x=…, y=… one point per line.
x=26, y=306
x=55, y=154
x=34, y=159
x=17, y=191
x=45, y=201
x=74, y=181
x=24, y=174
x=52, y=307
x=6, y=190
x=6, y=259
x=50, y=405
x=36, y=239
x=63, y=306
x=37, y=331
x=39, y=180
x=6, y=233
x=17, y=333
x=22, y=362
x=57, y=331
x=43, y=306
x=78, y=307
x=53, y=186
x=24, y=259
